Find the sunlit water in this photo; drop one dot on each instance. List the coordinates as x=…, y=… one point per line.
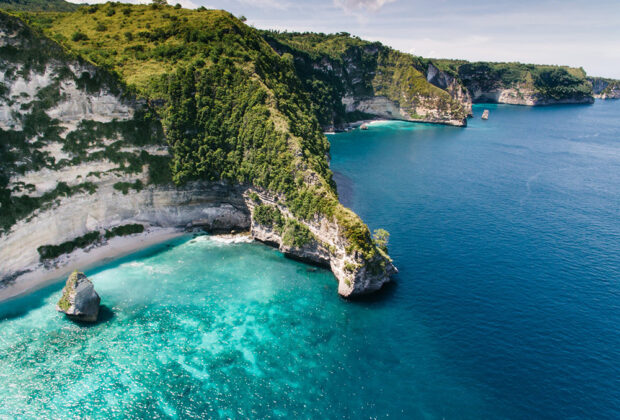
x=507, y=305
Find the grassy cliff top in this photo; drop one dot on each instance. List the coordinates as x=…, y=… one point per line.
x=319, y=45
x=38, y=5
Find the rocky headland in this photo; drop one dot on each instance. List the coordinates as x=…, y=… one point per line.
x=88, y=161
x=192, y=119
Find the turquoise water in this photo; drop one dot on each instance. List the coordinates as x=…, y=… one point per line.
x=507, y=304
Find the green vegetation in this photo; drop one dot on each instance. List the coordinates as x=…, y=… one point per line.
x=38, y=5
x=124, y=187
x=295, y=234
x=47, y=252
x=254, y=197
x=64, y=303
x=603, y=86
x=124, y=230
x=231, y=107
x=381, y=238
x=234, y=109
x=22, y=150
x=268, y=215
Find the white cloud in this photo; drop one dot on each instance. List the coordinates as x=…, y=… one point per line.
x=352, y=6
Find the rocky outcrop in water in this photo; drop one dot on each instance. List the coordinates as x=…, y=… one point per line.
x=79, y=300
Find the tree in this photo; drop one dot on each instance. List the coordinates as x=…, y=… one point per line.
x=381, y=238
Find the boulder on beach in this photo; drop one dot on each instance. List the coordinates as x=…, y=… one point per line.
x=485, y=114
x=79, y=300
x=364, y=126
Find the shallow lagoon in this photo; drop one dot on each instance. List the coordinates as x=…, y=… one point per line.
x=507, y=304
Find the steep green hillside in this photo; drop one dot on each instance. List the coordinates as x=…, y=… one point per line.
x=337, y=66
x=232, y=109
x=38, y=5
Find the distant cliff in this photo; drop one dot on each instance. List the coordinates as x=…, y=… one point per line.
x=516, y=83
x=351, y=79
x=348, y=79
x=605, y=88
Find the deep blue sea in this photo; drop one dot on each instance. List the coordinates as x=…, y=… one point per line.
x=507, y=304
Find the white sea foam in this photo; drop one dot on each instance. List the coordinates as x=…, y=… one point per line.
x=226, y=239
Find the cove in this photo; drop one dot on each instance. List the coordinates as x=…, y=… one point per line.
x=507, y=240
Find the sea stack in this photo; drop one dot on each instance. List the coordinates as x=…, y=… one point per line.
x=79, y=300
x=485, y=114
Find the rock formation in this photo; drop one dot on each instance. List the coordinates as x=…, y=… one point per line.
x=605, y=88
x=79, y=300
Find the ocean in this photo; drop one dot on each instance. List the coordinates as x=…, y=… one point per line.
x=507, y=303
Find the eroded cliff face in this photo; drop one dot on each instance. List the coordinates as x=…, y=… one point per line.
x=216, y=207
x=450, y=84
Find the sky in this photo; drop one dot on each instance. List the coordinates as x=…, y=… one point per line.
x=579, y=33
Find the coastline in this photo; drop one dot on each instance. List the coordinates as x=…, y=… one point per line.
x=346, y=127
x=83, y=260
x=342, y=128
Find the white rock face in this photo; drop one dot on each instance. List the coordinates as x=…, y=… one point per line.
x=383, y=107
x=215, y=206
x=46, y=179
x=80, y=105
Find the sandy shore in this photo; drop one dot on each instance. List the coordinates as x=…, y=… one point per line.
x=83, y=260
